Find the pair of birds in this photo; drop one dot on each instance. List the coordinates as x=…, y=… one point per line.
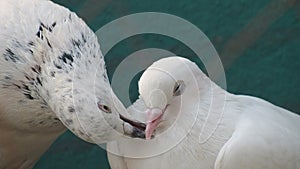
x=50, y=61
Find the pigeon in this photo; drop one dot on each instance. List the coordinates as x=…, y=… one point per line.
x=52, y=78
x=208, y=127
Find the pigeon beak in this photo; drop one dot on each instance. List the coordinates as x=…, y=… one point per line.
x=139, y=125
x=154, y=117
x=133, y=128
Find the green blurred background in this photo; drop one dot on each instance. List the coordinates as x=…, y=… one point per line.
x=258, y=42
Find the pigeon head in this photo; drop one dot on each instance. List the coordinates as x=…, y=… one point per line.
x=72, y=78
x=162, y=87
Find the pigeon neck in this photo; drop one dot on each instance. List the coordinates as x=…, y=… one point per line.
x=69, y=72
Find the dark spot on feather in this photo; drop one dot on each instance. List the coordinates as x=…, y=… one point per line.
x=33, y=69
x=31, y=43
x=71, y=109
x=26, y=87
x=57, y=66
x=42, y=25
x=105, y=77
x=40, y=28
x=76, y=43
x=52, y=74
x=66, y=57
x=48, y=43
x=83, y=37
x=38, y=67
x=53, y=25
x=39, y=81
x=28, y=77
x=55, y=118
x=46, y=27
x=17, y=85
x=38, y=34
x=9, y=54
x=28, y=96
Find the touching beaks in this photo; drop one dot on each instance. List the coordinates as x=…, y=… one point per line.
x=139, y=125
x=133, y=128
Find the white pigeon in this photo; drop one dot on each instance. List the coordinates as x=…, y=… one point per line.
x=208, y=127
x=52, y=77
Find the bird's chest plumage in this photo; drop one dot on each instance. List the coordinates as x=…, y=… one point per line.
x=193, y=152
x=189, y=153
x=25, y=121
x=22, y=108
x=21, y=84
x=27, y=124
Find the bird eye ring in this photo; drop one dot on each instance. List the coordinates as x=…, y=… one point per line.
x=104, y=108
x=178, y=88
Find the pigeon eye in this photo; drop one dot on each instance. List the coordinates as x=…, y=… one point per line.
x=178, y=88
x=104, y=108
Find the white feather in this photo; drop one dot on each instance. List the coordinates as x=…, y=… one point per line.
x=230, y=131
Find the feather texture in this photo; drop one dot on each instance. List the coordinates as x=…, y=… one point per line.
x=229, y=131
x=52, y=78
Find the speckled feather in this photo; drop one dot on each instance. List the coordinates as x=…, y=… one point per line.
x=52, y=76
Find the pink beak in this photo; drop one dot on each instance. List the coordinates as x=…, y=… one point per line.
x=154, y=117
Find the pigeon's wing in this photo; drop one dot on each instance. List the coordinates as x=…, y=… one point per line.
x=260, y=146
